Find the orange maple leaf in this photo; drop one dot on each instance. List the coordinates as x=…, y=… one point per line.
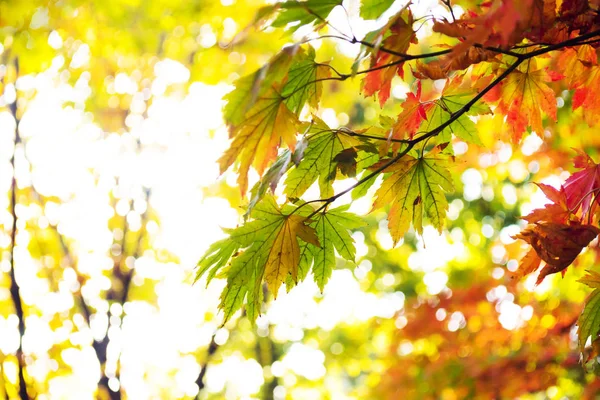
x=556, y=244
x=583, y=76
x=402, y=35
x=557, y=211
x=523, y=96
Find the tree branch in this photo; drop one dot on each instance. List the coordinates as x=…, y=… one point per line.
x=15, y=289
x=98, y=346
x=210, y=352
x=453, y=117
x=127, y=278
x=350, y=132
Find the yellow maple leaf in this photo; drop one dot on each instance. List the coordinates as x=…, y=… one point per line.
x=415, y=189
x=256, y=141
x=284, y=256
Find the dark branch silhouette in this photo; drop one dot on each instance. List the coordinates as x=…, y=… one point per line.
x=15, y=289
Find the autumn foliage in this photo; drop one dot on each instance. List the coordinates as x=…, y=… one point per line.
x=505, y=60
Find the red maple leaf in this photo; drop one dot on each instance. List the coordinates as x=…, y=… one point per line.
x=413, y=113
x=582, y=186
x=379, y=80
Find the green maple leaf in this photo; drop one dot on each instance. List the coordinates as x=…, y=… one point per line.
x=262, y=110
x=268, y=249
x=454, y=97
x=589, y=320
x=372, y=9
x=332, y=230
x=302, y=13
x=324, y=144
x=270, y=180
x=304, y=82
x=250, y=87
x=415, y=188
x=216, y=257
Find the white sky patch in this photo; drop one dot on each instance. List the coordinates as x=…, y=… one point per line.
x=241, y=377
x=434, y=251
x=305, y=361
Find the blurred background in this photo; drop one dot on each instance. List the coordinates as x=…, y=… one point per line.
x=110, y=128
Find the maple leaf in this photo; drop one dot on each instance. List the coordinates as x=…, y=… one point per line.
x=366, y=157
x=285, y=254
x=301, y=13
x=346, y=162
x=249, y=88
x=304, y=82
x=523, y=96
x=582, y=75
x=306, y=261
x=332, y=231
x=324, y=144
x=582, y=186
x=372, y=9
x=414, y=112
x=216, y=257
x=529, y=263
x=268, y=247
x=557, y=244
x=256, y=141
x=454, y=97
x=557, y=211
x=270, y=180
x=589, y=320
x=587, y=98
x=592, y=279
x=575, y=65
x=399, y=37
x=260, y=116
x=415, y=188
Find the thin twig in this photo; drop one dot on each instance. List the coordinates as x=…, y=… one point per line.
x=447, y=4
x=210, y=352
